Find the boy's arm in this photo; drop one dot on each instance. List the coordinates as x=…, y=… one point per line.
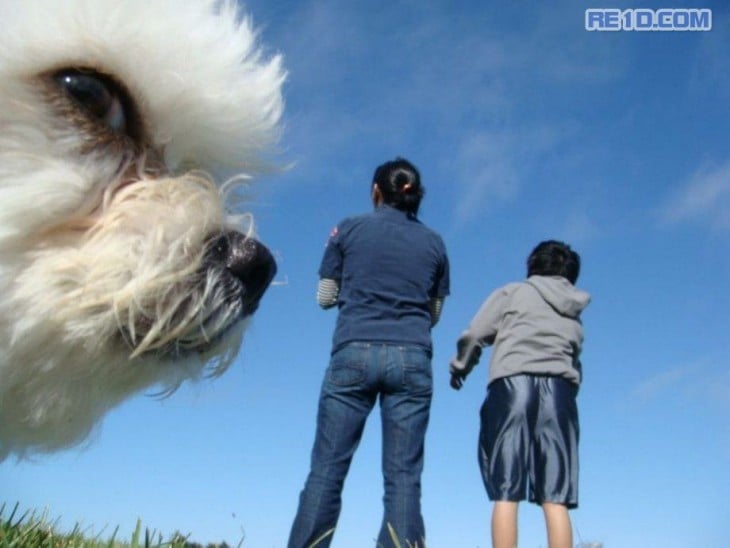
x=481, y=332
x=468, y=352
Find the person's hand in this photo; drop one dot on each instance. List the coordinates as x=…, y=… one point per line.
x=458, y=374
x=457, y=381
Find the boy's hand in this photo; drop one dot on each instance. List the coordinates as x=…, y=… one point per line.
x=457, y=381
x=458, y=373
x=468, y=352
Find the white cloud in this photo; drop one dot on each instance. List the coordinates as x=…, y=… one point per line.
x=658, y=385
x=579, y=227
x=457, y=87
x=487, y=171
x=492, y=165
x=706, y=380
x=705, y=197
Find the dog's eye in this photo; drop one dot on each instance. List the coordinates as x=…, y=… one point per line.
x=98, y=95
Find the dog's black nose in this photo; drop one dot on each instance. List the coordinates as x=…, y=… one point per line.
x=248, y=261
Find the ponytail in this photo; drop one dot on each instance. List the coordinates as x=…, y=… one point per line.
x=400, y=185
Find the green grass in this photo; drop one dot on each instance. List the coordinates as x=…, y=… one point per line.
x=37, y=530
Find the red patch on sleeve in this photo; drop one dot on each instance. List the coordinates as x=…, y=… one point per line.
x=333, y=233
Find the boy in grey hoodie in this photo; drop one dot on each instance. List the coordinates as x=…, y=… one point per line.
x=528, y=444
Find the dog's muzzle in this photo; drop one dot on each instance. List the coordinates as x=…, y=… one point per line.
x=246, y=265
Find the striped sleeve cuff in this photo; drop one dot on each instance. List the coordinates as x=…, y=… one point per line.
x=327, y=292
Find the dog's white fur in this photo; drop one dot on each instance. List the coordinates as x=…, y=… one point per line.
x=101, y=239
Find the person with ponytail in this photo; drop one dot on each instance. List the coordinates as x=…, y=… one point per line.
x=388, y=275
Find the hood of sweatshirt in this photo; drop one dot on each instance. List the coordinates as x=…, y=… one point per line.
x=559, y=293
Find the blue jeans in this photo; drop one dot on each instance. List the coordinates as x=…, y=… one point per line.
x=358, y=373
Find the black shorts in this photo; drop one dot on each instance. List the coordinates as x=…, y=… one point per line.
x=528, y=444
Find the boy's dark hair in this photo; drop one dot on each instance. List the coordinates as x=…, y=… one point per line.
x=400, y=184
x=554, y=258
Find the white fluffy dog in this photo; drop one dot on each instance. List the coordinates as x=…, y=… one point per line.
x=120, y=267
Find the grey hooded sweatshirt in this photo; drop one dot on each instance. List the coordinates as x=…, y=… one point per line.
x=534, y=326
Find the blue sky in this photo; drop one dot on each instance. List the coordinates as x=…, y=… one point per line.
x=525, y=127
